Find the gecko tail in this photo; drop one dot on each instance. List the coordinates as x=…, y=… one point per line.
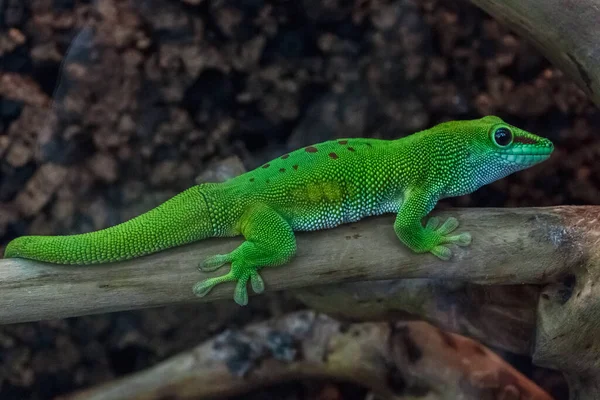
x=180, y=220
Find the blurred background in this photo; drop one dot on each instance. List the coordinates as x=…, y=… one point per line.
x=109, y=107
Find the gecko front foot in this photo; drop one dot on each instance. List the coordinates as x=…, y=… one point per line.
x=443, y=237
x=239, y=273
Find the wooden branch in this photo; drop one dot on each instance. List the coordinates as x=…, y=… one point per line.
x=567, y=335
x=510, y=246
x=396, y=361
x=565, y=31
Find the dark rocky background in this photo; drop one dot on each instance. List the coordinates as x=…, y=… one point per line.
x=108, y=107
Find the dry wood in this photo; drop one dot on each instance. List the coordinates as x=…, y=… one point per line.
x=557, y=246
x=565, y=31
x=395, y=360
x=510, y=246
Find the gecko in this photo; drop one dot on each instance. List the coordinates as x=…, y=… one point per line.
x=313, y=188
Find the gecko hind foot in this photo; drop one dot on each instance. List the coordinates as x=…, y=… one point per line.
x=215, y=262
x=238, y=273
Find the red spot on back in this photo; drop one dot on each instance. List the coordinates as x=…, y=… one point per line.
x=311, y=149
x=283, y=157
x=351, y=148
x=333, y=155
x=295, y=166
x=266, y=165
x=281, y=169
x=524, y=140
x=343, y=142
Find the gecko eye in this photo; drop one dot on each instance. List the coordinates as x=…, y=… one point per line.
x=503, y=136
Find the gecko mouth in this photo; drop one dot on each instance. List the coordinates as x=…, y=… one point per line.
x=528, y=153
x=525, y=158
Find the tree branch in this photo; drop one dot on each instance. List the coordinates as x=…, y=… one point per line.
x=510, y=246
x=395, y=360
x=565, y=31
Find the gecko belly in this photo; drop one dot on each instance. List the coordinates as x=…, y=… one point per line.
x=327, y=217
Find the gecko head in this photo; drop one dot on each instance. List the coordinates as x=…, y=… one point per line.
x=497, y=149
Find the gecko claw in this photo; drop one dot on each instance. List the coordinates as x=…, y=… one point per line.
x=240, y=295
x=464, y=239
x=442, y=252
x=448, y=226
x=433, y=223
x=258, y=285
x=202, y=288
x=214, y=262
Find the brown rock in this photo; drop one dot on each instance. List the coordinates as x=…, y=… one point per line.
x=529, y=101
x=63, y=355
x=282, y=105
x=248, y=55
x=34, y=126
x=17, y=36
x=98, y=212
x=7, y=43
x=228, y=18
x=40, y=188
x=132, y=59
x=126, y=124
x=4, y=143
x=19, y=154
x=63, y=21
x=104, y=166
x=132, y=190
x=221, y=170
x=164, y=172
x=64, y=207
x=40, y=226
x=107, y=138
x=8, y=215
x=21, y=88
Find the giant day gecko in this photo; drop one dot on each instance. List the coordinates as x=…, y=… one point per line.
x=316, y=187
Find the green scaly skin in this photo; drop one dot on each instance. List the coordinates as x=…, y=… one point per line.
x=317, y=187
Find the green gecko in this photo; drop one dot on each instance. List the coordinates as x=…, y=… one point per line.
x=316, y=187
